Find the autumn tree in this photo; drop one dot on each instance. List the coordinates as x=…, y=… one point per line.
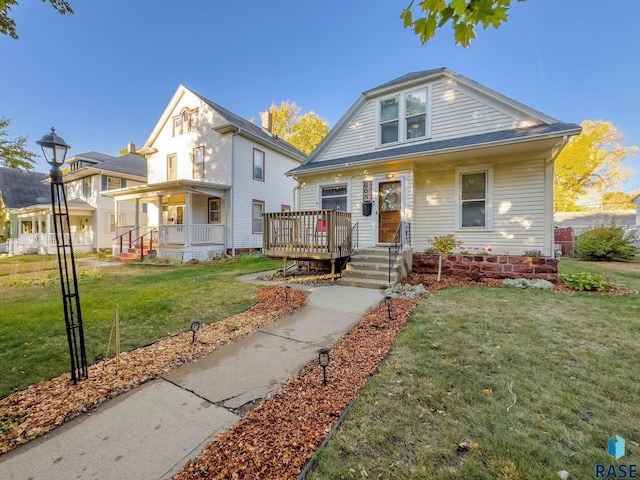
x=426, y=16
x=13, y=153
x=590, y=164
x=303, y=132
x=617, y=201
x=8, y=25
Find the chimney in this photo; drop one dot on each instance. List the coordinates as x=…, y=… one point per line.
x=131, y=147
x=267, y=120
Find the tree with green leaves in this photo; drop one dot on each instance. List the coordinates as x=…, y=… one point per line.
x=8, y=25
x=304, y=132
x=590, y=164
x=13, y=153
x=426, y=16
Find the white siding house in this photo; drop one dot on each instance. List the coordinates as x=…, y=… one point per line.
x=445, y=154
x=91, y=215
x=211, y=175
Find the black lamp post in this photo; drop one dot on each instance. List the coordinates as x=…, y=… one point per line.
x=323, y=360
x=55, y=151
x=195, y=326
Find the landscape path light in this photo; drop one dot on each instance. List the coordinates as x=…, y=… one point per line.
x=55, y=150
x=323, y=360
x=387, y=302
x=195, y=326
x=287, y=289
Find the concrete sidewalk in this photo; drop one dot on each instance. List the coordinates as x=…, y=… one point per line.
x=151, y=431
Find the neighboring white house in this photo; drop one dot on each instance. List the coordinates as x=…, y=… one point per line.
x=445, y=154
x=91, y=216
x=211, y=176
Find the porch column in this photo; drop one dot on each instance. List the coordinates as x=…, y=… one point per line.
x=136, y=217
x=116, y=212
x=187, y=219
x=160, y=231
x=48, y=234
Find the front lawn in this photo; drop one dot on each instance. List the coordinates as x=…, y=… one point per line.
x=154, y=302
x=497, y=383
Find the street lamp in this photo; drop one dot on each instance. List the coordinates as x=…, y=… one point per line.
x=55, y=151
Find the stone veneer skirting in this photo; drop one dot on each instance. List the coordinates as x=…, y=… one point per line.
x=488, y=266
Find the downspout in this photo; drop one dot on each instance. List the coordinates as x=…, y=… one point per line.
x=230, y=217
x=550, y=177
x=296, y=193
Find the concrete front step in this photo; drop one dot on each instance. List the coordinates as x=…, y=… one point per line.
x=373, y=274
x=362, y=283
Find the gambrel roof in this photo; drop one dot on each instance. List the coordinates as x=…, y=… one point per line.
x=525, y=125
x=19, y=188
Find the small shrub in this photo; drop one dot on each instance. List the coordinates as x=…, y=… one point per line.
x=232, y=327
x=526, y=283
x=445, y=244
x=605, y=243
x=586, y=282
x=532, y=253
x=406, y=291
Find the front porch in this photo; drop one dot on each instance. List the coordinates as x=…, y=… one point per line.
x=45, y=243
x=173, y=242
x=310, y=235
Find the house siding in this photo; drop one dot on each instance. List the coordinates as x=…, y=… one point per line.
x=217, y=168
x=274, y=191
x=454, y=113
x=518, y=208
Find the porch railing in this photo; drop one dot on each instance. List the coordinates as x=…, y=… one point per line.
x=130, y=237
x=400, y=239
x=45, y=243
x=307, y=232
x=199, y=234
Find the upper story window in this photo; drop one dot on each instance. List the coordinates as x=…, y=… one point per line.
x=86, y=187
x=112, y=183
x=198, y=162
x=334, y=197
x=474, y=190
x=172, y=167
x=187, y=121
x=258, y=165
x=403, y=117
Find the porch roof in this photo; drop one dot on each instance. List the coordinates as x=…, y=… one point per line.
x=460, y=144
x=74, y=206
x=165, y=188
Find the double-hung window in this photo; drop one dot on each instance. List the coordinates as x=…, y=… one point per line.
x=403, y=117
x=86, y=187
x=172, y=165
x=258, y=165
x=257, y=209
x=474, y=189
x=214, y=210
x=198, y=162
x=334, y=197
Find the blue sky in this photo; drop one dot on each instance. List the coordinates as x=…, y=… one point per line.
x=103, y=76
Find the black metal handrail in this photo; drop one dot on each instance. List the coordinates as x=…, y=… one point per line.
x=348, y=246
x=402, y=237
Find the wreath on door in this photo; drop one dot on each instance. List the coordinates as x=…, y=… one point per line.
x=391, y=200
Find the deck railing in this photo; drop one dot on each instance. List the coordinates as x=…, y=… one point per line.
x=317, y=232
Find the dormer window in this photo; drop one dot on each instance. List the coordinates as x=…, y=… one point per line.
x=412, y=107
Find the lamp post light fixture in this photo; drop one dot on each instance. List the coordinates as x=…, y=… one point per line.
x=287, y=289
x=195, y=326
x=323, y=360
x=387, y=302
x=55, y=150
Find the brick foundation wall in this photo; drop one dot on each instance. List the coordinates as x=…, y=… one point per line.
x=488, y=266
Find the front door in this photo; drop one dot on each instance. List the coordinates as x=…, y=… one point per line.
x=390, y=204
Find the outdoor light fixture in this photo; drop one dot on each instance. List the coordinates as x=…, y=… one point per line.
x=323, y=360
x=387, y=302
x=287, y=289
x=195, y=326
x=55, y=150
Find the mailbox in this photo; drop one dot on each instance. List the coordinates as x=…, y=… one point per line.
x=366, y=208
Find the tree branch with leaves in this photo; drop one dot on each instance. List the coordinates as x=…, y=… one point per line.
x=426, y=16
x=13, y=153
x=8, y=25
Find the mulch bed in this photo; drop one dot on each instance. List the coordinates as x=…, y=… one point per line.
x=38, y=409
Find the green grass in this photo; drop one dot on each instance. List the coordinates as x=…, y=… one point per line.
x=571, y=359
x=154, y=301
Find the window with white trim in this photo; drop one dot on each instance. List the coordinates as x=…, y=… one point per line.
x=404, y=117
x=172, y=165
x=257, y=209
x=198, y=162
x=258, y=165
x=86, y=187
x=474, y=191
x=333, y=197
